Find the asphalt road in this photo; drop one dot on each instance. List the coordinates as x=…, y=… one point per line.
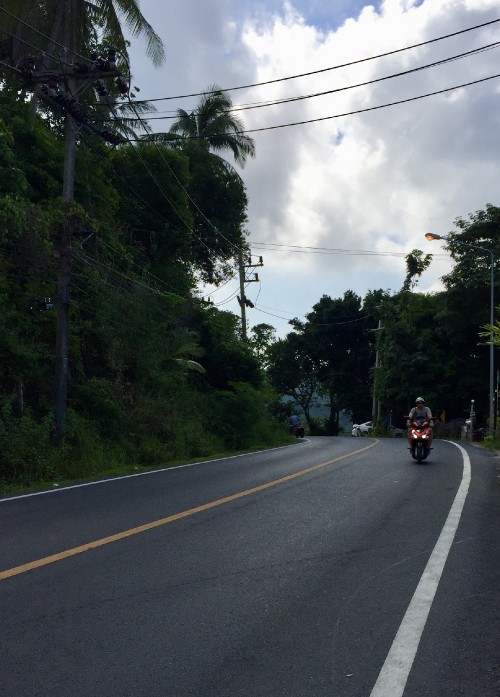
x=301, y=571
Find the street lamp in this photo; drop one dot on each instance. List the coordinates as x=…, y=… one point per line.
x=431, y=236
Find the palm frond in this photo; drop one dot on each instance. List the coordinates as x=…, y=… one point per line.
x=135, y=22
x=213, y=122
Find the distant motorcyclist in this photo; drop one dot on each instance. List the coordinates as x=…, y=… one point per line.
x=293, y=421
x=296, y=428
x=420, y=413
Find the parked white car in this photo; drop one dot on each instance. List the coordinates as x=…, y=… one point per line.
x=362, y=429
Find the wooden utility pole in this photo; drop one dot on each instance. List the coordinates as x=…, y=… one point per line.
x=59, y=88
x=242, y=299
x=64, y=274
x=63, y=286
x=65, y=23
x=376, y=402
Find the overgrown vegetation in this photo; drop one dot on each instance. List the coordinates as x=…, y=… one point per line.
x=397, y=345
x=157, y=376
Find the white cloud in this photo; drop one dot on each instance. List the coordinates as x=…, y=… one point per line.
x=375, y=181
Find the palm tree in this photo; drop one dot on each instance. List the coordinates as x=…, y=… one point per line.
x=68, y=29
x=211, y=126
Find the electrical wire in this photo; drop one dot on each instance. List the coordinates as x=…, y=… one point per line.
x=148, y=131
x=288, y=100
x=335, y=67
x=160, y=188
x=108, y=299
x=156, y=279
x=143, y=270
x=350, y=113
x=99, y=265
x=221, y=286
x=11, y=67
x=315, y=324
x=365, y=110
x=27, y=43
x=292, y=248
x=37, y=31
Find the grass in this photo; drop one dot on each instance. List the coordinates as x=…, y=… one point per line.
x=121, y=470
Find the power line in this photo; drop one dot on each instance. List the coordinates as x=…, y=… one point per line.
x=292, y=248
x=315, y=324
x=99, y=265
x=363, y=111
x=37, y=31
x=158, y=185
x=27, y=43
x=335, y=67
x=105, y=290
x=151, y=140
x=288, y=100
x=160, y=188
x=356, y=111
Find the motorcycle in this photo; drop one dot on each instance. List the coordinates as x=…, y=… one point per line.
x=297, y=430
x=420, y=438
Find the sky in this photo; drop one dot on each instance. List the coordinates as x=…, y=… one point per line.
x=335, y=204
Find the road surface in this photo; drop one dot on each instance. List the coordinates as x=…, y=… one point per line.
x=332, y=567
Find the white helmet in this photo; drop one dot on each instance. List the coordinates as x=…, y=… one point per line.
x=420, y=399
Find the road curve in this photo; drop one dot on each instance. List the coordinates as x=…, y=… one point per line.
x=287, y=572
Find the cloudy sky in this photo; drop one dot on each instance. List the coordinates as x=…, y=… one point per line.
x=358, y=190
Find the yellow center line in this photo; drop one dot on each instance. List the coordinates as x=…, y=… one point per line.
x=16, y=570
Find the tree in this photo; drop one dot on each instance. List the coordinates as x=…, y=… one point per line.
x=154, y=213
x=216, y=190
x=336, y=333
x=416, y=264
x=62, y=32
x=73, y=28
x=468, y=297
x=292, y=372
x=226, y=359
x=411, y=353
x=263, y=337
x=218, y=205
x=472, y=268
x=213, y=127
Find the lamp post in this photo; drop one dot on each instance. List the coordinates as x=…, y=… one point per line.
x=431, y=236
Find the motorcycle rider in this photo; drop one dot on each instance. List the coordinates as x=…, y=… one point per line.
x=293, y=421
x=420, y=413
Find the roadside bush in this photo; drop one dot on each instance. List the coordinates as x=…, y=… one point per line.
x=318, y=427
x=379, y=428
x=242, y=420
x=100, y=401
x=26, y=455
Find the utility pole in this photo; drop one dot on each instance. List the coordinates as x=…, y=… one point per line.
x=375, y=403
x=58, y=89
x=63, y=286
x=243, y=301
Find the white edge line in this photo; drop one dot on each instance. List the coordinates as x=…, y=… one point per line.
x=393, y=677
x=59, y=489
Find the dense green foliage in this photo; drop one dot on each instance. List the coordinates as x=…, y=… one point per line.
x=427, y=344
x=156, y=375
